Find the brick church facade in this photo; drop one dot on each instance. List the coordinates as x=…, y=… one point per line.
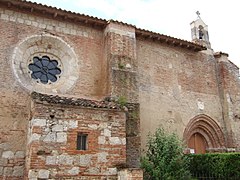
x=79, y=94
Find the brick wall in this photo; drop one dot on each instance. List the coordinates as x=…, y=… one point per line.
x=230, y=84
x=14, y=109
x=17, y=26
x=175, y=85
x=15, y=99
x=52, y=141
x=163, y=84
x=120, y=52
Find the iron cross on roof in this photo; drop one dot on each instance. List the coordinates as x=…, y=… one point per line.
x=198, y=14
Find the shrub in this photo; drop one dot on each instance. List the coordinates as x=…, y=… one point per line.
x=122, y=101
x=164, y=158
x=217, y=165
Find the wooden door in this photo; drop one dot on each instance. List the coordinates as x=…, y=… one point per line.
x=197, y=144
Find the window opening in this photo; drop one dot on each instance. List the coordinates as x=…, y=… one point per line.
x=44, y=69
x=82, y=141
x=201, y=34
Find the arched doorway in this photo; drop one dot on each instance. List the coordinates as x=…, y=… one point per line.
x=197, y=144
x=203, y=134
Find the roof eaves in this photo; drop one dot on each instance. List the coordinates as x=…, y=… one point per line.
x=53, y=12
x=169, y=40
x=79, y=102
x=120, y=22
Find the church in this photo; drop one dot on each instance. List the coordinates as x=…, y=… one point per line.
x=79, y=94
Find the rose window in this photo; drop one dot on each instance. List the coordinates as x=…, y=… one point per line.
x=44, y=69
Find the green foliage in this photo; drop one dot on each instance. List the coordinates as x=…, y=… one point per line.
x=122, y=101
x=164, y=159
x=123, y=80
x=120, y=65
x=133, y=115
x=218, y=165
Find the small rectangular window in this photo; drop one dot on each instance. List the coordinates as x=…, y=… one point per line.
x=82, y=141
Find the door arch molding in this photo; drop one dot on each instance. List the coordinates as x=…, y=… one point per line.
x=208, y=128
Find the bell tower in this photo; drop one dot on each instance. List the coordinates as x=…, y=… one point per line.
x=199, y=31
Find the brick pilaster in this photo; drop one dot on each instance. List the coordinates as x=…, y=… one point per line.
x=120, y=51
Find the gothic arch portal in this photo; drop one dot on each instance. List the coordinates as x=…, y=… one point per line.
x=206, y=131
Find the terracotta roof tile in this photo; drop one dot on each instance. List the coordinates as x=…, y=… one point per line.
x=107, y=103
x=169, y=40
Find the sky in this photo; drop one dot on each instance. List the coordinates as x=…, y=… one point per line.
x=169, y=17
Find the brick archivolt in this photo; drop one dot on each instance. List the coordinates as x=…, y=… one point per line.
x=208, y=128
x=55, y=48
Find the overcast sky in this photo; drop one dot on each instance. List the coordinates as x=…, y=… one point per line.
x=169, y=17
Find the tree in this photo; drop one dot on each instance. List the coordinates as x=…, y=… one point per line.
x=164, y=158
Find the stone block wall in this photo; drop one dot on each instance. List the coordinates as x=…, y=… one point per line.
x=133, y=135
x=12, y=164
x=130, y=174
x=52, y=142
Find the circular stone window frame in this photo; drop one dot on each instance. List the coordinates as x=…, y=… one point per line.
x=53, y=47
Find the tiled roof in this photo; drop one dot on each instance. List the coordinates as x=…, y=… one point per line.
x=55, y=99
x=60, y=14
x=169, y=40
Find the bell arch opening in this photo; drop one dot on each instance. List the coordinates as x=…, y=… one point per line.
x=203, y=134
